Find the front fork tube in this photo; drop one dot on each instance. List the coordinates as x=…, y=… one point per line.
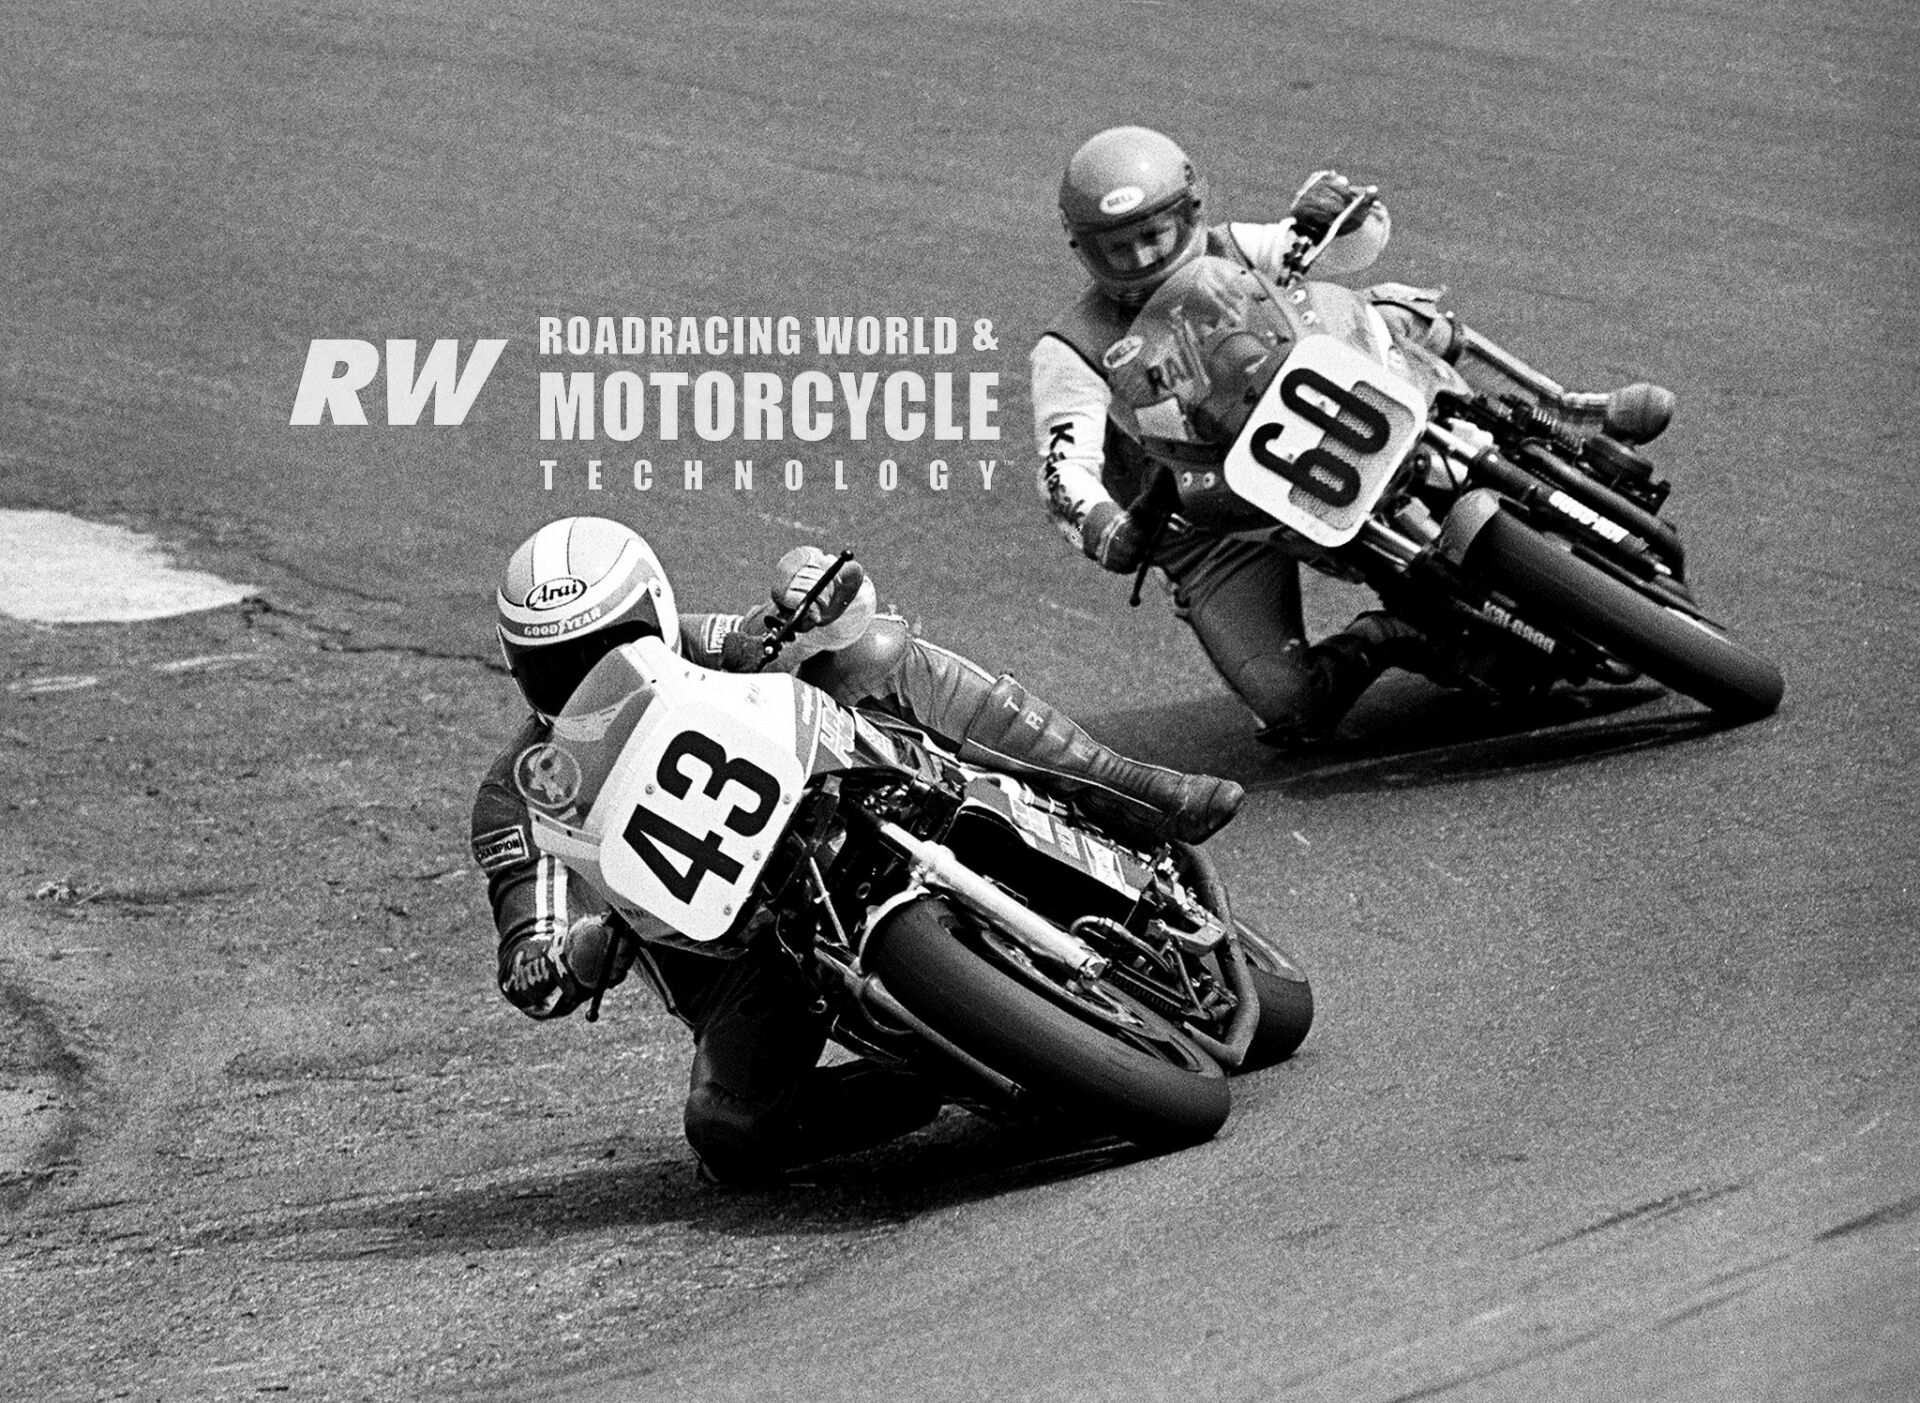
x=1606, y=521
x=871, y=994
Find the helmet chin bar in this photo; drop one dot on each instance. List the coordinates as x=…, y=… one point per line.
x=1130, y=288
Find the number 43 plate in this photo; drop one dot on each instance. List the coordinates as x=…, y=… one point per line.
x=1325, y=439
x=693, y=818
x=691, y=811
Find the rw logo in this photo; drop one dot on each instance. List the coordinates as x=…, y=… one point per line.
x=338, y=370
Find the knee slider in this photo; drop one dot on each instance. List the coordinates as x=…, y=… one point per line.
x=1275, y=686
x=734, y=1139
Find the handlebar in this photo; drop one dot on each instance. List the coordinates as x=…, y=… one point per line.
x=1302, y=256
x=778, y=637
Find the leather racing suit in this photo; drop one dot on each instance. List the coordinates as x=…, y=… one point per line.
x=1241, y=598
x=758, y=1103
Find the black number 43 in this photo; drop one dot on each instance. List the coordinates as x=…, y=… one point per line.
x=657, y=840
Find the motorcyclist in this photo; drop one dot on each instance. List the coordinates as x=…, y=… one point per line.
x=757, y=1103
x=1134, y=207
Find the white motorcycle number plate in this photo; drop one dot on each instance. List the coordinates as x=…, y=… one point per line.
x=1325, y=439
x=692, y=812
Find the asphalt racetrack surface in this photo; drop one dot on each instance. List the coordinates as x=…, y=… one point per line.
x=1614, y=1090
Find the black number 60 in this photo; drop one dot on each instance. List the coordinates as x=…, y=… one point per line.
x=1318, y=472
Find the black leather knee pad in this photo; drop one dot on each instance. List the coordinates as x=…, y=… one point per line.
x=1276, y=686
x=738, y=1142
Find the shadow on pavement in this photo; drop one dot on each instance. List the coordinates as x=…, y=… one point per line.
x=1406, y=733
x=958, y=1159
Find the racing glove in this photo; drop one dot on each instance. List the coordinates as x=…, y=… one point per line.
x=533, y=982
x=595, y=953
x=744, y=649
x=550, y=978
x=1111, y=537
x=799, y=571
x=1319, y=202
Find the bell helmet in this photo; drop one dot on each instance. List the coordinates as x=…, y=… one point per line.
x=573, y=592
x=1131, y=202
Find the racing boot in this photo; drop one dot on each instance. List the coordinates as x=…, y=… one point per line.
x=1018, y=732
x=996, y=721
x=1341, y=667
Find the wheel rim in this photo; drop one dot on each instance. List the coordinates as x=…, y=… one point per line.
x=1118, y=1014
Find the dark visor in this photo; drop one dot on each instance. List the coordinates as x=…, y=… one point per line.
x=549, y=675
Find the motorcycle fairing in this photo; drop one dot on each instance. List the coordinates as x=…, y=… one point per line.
x=686, y=794
x=1304, y=388
x=850, y=740
x=1326, y=438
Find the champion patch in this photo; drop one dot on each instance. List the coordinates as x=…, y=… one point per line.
x=501, y=848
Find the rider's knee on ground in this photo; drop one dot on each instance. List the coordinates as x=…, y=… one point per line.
x=738, y=1142
x=1274, y=685
x=1306, y=692
x=854, y=1106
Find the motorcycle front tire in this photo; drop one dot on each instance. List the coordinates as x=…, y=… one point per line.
x=1553, y=586
x=1286, y=1002
x=1156, y=1089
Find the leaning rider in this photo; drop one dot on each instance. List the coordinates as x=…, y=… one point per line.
x=758, y=1104
x=1134, y=209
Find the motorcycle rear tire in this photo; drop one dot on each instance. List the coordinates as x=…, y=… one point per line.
x=1159, y=1091
x=1552, y=586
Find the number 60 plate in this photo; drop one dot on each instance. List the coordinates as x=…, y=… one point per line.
x=1325, y=439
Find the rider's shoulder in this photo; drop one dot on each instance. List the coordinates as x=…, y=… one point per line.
x=1088, y=325
x=497, y=784
x=533, y=730
x=1251, y=244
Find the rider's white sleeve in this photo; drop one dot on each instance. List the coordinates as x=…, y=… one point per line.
x=1070, y=429
x=1266, y=244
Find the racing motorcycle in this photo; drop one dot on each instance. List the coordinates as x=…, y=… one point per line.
x=954, y=921
x=1292, y=410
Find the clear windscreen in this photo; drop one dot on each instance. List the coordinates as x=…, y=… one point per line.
x=1199, y=353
